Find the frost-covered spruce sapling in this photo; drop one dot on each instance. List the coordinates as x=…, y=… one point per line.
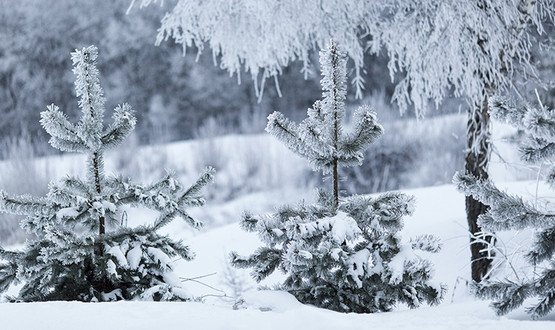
x=79, y=247
x=507, y=212
x=342, y=254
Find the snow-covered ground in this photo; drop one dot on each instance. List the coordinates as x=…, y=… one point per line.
x=440, y=210
x=230, y=298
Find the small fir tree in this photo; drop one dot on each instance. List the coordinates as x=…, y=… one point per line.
x=508, y=212
x=345, y=255
x=81, y=249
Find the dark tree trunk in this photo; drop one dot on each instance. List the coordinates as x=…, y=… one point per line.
x=335, y=184
x=96, y=166
x=476, y=163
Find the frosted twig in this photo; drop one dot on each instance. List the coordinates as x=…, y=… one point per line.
x=479, y=238
x=194, y=279
x=537, y=185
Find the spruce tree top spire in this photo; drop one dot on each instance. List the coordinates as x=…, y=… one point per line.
x=89, y=134
x=87, y=88
x=320, y=138
x=333, y=64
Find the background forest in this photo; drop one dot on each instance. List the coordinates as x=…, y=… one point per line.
x=188, y=96
x=183, y=97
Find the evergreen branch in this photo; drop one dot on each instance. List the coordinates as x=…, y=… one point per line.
x=535, y=150
x=8, y=274
x=249, y=222
x=540, y=123
x=8, y=269
x=429, y=243
x=543, y=247
x=391, y=206
x=550, y=177
x=75, y=186
x=124, y=123
x=122, y=233
x=191, y=201
x=348, y=158
x=163, y=219
x=23, y=204
x=506, y=295
x=366, y=131
x=10, y=255
x=544, y=306
x=163, y=195
x=309, y=134
x=272, y=229
x=506, y=211
x=68, y=192
x=500, y=109
x=57, y=125
x=537, y=123
x=36, y=223
x=289, y=211
x=68, y=146
x=181, y=250
x=334, y=86
x=546, y=282
x=512, y=300
x=167, y=186
x=288, y=133
x=316, y=113
x=206, y=178
x=264, y=260
x=310, y=131
x=190, y=220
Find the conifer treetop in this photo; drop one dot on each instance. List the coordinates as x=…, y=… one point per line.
x=319, y=138
x=333, y=63
x=89, y=134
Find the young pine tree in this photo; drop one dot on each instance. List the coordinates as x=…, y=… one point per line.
x=79, y=247
x=508, y=212
x=341, y=254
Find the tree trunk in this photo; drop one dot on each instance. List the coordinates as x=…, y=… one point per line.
x=335, y=160
x=96, y=168
x=335, y=184
x=476, y=163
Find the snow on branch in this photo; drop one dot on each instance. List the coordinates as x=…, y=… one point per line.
x=263, y=37
x=506, y=211
x=466, y=47
x=22, y=205
x=124, y=123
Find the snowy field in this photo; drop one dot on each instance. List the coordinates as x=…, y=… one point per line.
x=238, y=305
